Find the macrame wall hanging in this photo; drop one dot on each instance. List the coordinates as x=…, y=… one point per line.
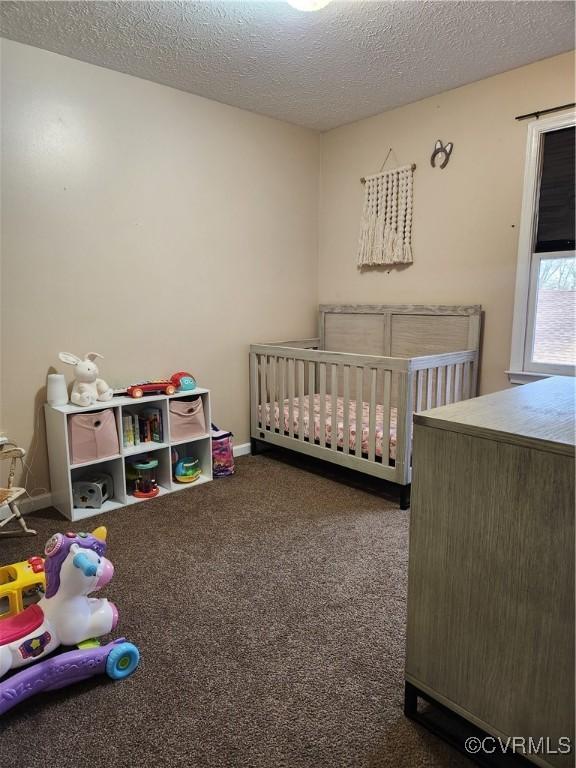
x=386, y=225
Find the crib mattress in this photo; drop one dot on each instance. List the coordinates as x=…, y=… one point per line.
x=328, y=422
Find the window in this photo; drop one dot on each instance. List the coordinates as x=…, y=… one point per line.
x=544, y=332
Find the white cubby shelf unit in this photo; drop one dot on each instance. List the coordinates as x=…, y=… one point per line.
x=63, y=473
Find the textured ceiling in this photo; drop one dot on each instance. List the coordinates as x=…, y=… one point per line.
x=345, y=62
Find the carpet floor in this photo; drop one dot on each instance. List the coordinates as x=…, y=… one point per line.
x=269, y=609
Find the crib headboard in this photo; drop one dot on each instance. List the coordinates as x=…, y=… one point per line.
x=399, y=330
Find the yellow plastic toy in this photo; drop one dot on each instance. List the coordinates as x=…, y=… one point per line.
x=20, y=585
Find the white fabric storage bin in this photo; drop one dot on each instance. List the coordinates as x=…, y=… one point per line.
x=186, y=419
x=92, y=436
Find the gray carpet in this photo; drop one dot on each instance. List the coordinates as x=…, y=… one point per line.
x=269, y=609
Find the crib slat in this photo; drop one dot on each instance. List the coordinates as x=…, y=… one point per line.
x=420, y=390
x=439, y=386
x=466, y=382
x=291, y=395
x=405, y=405
x=300, y=399
x=272, y=390
x=372, y=416
x=386, y=386
x=458, y=382
x=282, y=396
x=334, y=417
x=346, y=407
x=322, y=387
x=311, y=387
x=359, y=409
x=263, y=392
x=430, y=388
x=449, y=384
x=474, y=378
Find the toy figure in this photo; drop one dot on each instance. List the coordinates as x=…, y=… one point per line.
x=87, y=388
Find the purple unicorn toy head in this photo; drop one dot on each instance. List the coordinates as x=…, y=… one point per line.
x=58, y=548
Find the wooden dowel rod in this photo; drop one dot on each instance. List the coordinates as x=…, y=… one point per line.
x=363, y=178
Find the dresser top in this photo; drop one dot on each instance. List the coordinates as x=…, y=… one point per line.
x=539, y=415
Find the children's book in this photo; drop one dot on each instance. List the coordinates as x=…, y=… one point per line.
x=153, y=417
x=135, y=428
x=127, y=431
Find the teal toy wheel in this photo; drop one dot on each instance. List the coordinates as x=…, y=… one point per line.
x=122, y=661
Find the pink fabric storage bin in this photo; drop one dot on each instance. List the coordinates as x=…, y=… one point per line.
x=92, y=436
x=186, y=419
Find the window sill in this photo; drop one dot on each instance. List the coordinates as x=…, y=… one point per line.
x=525, y=377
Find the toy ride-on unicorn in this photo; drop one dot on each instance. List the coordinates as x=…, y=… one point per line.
x=75, y=566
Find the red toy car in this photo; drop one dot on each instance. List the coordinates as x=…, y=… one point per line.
x=151, y=388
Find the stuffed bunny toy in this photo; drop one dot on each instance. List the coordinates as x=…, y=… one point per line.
x=87, y=387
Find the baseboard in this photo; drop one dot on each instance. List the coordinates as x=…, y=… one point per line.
x=28, y=504
x=242, y=450
x=32, y=503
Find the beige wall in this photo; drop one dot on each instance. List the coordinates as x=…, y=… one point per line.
x=466, y=217
x=167, y=231
x=161, y=229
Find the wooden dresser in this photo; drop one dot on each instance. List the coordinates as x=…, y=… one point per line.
x=491, y=574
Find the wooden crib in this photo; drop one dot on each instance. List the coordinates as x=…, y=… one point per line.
x=381, y=361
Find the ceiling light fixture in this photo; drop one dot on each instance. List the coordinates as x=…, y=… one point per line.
x=308, y=5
